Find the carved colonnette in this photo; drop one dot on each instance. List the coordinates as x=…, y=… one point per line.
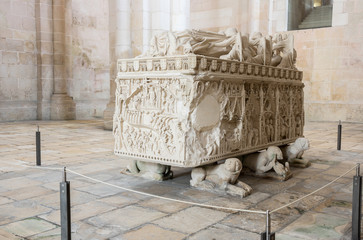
x=191, y=110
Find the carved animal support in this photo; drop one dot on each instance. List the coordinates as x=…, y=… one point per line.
x=152, y=171
x=221, y=177
x=265, y=161
x=293, y=153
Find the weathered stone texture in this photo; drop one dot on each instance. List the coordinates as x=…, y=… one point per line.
x=18, y=60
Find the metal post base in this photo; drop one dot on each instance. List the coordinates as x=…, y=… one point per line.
x=37, y=138
x=356, y=207
x=65, y=210
x=264, y=236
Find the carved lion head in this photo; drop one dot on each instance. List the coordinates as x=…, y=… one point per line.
x=302, y=144
x=233, y=165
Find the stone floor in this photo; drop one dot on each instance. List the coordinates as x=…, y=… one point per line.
x=29, y=197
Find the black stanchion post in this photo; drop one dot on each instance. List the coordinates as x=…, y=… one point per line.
x=339, y=142
x=37, y=139
x=268, y=235
x=357, y=204
x=65, y=208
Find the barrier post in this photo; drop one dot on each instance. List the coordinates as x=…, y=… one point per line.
x=268, y=235
x=339, y=140
x=357, y=204
x=37, y=140
x=65, y=208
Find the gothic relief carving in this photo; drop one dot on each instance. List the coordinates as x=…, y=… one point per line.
x=180, y=109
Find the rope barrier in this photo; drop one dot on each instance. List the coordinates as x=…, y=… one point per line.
x=297, y=200
x=166, y=198
x=188, y=202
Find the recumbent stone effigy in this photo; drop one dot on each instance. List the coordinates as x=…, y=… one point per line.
x=197, y=97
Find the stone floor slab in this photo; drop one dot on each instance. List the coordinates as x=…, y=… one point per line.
x=18, y=210
x=191, y=220
x=126, y=218
x=222, y=232
x=151, y=232
x=28, y=227
x=316, y=226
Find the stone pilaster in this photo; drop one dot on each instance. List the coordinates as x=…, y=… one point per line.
x=62, y=105
x=120, y=47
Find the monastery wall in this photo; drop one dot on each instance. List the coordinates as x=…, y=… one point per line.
x=331, y=58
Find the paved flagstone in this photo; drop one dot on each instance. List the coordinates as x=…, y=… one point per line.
x=29, y=197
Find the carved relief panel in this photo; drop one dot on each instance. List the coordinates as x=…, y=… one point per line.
x=200, y=110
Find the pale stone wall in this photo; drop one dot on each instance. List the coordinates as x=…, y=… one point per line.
x=18, y=59
x=332, y=61
x=51, y=51
x=331, y=58
x=89, y=67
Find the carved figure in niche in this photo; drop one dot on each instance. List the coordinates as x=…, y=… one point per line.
x=262, y=162
x=284, y=128
x=252, y=132
x=270, y=131
x=221, y=177
x=298, y=125
x=234, y=142
x=293, y=153
x=211, y=147
x=152, y=171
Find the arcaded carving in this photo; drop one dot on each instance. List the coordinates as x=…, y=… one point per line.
x=152, y=171
x=293, y=153
x=265, y=161
x=230, y=44
x=190, y=110
x=221, y=177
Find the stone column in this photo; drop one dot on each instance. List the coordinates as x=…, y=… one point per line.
x=62, y=106
x=44, y=45
x=120, y=47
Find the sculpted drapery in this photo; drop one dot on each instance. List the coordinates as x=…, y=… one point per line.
x=230, y=44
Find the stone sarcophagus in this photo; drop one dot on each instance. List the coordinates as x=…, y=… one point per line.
x=190, y=110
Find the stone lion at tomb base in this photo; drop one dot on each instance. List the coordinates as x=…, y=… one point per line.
x=293, y=153
x=221, y=178
x=262, y=162
x=148, y=170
